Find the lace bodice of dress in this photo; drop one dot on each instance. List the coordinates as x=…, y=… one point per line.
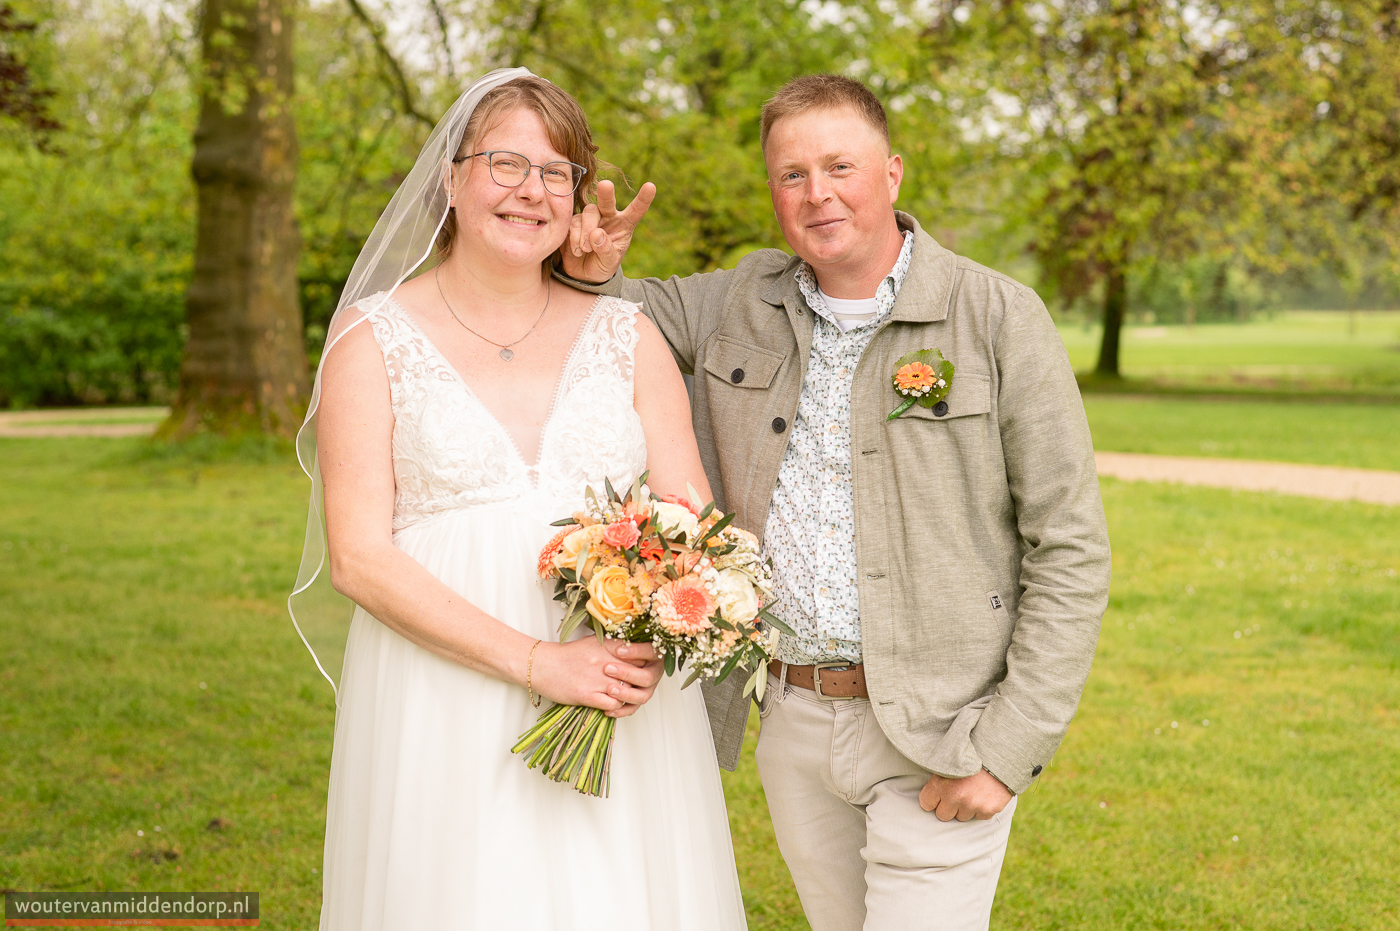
x=450, y=451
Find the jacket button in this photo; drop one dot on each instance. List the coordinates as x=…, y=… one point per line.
x=736, y=376
x=940, y=409
x=779, y=425
x=1035, y=772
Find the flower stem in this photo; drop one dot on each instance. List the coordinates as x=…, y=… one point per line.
x=571, y=743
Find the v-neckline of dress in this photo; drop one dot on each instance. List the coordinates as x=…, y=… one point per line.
x=466, y=386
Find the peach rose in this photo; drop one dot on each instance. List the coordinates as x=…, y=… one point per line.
x=611, y=596
x=622, y=534
x=683, y=502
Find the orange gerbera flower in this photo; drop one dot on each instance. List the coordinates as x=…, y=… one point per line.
x=916, y=376
x=683, y=607
x=551, y=549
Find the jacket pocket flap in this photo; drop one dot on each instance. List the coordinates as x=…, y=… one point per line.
x=742, y=365
x=970, y=394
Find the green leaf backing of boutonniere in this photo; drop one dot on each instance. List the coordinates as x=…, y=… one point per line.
x=920, y=377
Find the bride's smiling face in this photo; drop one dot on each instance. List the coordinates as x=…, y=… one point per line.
x=519, y=225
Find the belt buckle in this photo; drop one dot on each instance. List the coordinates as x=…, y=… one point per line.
x=817, y=678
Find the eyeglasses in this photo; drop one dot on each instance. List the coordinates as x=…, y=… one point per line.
x=510, y=169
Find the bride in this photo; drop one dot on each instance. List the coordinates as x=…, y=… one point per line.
x=457, y=415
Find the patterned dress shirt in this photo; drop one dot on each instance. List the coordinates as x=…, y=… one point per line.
x=810, y=535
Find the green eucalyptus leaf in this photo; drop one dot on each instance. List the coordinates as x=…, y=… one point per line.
x=775, y=621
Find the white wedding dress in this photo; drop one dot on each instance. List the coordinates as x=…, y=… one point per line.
x=432, y=824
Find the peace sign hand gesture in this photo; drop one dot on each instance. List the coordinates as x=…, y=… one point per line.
x=600, y=235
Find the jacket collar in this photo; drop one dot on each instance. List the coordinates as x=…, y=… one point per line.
x=925, y=293
x=923, y=297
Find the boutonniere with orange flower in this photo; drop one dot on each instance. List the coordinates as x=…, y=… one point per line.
x=921, y=377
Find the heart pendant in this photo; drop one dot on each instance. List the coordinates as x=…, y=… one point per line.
x=507, y=354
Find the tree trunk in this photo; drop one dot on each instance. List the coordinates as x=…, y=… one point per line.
x=245, y=361
x=1115, y=297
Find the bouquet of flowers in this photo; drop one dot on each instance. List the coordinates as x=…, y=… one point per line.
x=650, y=569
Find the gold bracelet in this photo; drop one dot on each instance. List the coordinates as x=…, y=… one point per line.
x=529, y=673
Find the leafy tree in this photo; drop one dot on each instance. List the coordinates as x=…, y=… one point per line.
x=20, y=99
x=95, y=231
x=1339, y=199
x=1124, y=122
x=355, y=141
x=673, y=90
x=97, y=235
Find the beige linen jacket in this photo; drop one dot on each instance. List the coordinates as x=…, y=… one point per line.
x=981, y=547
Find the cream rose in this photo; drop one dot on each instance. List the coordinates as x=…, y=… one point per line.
x=738, y=602
x=673, y=517
x=573, y=544
x=610, y=596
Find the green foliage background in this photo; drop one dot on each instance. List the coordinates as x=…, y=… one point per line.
x=96, y=228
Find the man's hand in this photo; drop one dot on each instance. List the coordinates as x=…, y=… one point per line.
x=979, y=796
x=600, y=235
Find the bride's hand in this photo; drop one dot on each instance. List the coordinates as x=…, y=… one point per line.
x=613, y=676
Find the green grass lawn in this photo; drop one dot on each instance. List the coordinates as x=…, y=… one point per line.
x=1342, y=434
x=151, y=678
x=1298, y=351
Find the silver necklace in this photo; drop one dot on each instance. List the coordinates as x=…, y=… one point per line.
x=505, y=352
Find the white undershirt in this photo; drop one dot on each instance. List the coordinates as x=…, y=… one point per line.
x=849, y=314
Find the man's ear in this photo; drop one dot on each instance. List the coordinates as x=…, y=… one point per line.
x=895, y=168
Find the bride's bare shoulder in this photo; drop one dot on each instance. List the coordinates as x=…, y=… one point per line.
x=418, y=295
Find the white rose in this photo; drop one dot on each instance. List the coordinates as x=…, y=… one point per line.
x=735, y=595
x=673, y=517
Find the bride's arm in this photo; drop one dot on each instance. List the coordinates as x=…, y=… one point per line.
x=353, y=439
x=660, y=399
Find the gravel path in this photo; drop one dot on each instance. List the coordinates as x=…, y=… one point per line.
x=43, y=423
x=1313, y=481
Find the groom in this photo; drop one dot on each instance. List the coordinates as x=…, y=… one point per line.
x=945, y=570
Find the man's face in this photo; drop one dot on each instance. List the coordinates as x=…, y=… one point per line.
x=834, y=185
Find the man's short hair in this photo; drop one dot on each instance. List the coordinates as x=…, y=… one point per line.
x=822, y=92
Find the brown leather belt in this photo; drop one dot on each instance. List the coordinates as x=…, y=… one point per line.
x=828, y=680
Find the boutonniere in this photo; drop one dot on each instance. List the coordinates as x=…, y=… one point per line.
x=921, y=377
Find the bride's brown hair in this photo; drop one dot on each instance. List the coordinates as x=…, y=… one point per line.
x=564, y=123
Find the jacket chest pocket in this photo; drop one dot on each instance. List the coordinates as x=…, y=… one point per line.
x=970, y=395
x=740, y=365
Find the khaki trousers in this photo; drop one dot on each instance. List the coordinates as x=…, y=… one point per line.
x=845, y=806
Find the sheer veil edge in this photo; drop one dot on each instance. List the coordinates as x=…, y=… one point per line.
x=402, y=240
